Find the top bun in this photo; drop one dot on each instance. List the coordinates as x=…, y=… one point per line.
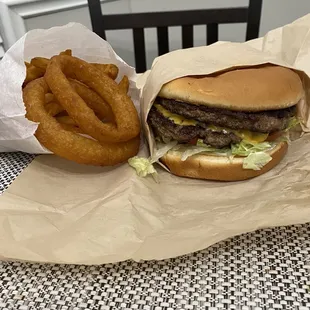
x=259, y=88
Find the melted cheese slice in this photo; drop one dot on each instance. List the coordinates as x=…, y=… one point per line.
x=253, y=137
x=176, y=118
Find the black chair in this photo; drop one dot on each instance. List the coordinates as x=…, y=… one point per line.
x=162, y=20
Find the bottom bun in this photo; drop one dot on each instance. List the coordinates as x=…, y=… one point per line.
x=220, y=168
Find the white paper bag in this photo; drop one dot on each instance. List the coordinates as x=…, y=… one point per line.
x=16, y=132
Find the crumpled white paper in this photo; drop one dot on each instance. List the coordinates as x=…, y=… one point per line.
x=16, y=132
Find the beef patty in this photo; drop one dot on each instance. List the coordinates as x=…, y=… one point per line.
x=264, y=122
x=167, y=129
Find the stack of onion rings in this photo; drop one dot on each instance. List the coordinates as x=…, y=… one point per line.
x=83, y=115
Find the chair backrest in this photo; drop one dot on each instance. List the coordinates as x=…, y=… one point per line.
x=162, y=20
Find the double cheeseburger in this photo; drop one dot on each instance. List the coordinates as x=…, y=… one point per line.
x=233, y=122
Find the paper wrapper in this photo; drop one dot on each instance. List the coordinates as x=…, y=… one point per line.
x=58, y=211
x=16, y=132
x=289, y=51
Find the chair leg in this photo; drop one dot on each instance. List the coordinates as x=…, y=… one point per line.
x=212, y=33
x=187, y=36
x=254, y=17
x=96, y=17
x=139, y=46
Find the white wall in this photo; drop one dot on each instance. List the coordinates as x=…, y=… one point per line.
x=275, y=13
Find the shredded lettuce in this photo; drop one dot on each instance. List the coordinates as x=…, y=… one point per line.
x=144, y=166
x=256, y=161
x=162, y=149
x=254, y=153
x=245, y=148
x=212, y=149
x=288, y=134
x=255, y=156
x=293, y=122
x=193, y=150
x=190, y=150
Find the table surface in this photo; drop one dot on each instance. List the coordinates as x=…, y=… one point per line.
x=267, y=269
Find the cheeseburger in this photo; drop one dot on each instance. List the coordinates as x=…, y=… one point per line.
x=228, y=126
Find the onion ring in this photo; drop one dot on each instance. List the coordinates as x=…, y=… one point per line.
x=126, y=116
x=49, y=97
x=27, y=64
x=92, y=99
x=110, y=69
x=66, y=52
x=53, y=108
x=71, y=128
x=37, y=66
x=40, y=62
x=124, y=84
x=33, y=73
x=66, y=120
x=68, y=144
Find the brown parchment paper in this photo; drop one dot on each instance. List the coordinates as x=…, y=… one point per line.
x=61, y=212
